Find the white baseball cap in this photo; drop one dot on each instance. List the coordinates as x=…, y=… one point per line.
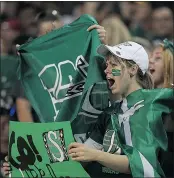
x=128, y=50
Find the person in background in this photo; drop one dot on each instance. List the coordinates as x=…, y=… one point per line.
x=127, y=9
x=109, y=17
x=4, y=125
x=161, y=65
x=4, y=49
x=85, y=8
x=141, y=19
x=162, y=24
x=9, y=99
x=10, y=30
x=26, y=15
x=10, y=88
x=162, y=69
x=47, y=21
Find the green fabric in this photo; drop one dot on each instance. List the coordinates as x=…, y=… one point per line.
x=104, y=134
x=140, y=129
x=40, y=150
x=94, y=102
x=168, y=45
x=134, y=125
x=53, y=69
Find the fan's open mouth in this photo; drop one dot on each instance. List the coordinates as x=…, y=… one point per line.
x=152, y=71
x=110, y=82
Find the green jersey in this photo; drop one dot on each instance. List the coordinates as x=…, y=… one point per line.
x=134, y=128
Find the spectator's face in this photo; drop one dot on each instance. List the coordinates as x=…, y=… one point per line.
x=47, y=26
x=127, y=9
x=26, y=17
x=102, y=13
x=4, y=125
x=90, y=8
x=142, y=11
x=162, y=22
x=7, y=33
x=156, y=66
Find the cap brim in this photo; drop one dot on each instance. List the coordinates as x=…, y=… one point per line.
x=104, y=49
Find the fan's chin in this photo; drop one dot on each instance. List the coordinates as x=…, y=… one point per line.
x=114, y=90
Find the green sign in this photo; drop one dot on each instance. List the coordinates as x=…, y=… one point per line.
x=40, y=150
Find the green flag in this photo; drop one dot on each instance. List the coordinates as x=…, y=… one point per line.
x=140, y=130
x=57, y=70
x=40, y=150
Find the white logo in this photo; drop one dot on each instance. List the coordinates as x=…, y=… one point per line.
x=124, y=118
x=60, y=80
x=129, y=112
x=109, y=143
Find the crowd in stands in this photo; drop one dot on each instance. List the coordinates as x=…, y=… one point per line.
x=147, y=23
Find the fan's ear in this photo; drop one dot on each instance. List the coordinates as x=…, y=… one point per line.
x=133, y=70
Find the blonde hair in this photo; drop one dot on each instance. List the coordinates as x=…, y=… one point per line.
x=116, y=30
x=168, y=67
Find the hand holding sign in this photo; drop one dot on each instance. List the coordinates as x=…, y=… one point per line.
x=5, y=169
x=80, y=152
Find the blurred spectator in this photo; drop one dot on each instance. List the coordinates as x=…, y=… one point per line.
x=88, y=8
x=26, y=17
x=116, y=30
x=162, y=24
x=9, y=31
x=127, y=9
x=103, y=10
x=141, y=19
x=162, y=66
x=13, y=107
x=4, y=125
x=142, y=12
x=11, y=95
x=48, y=21
x=84, y=8
x=4, y=50
x=7, y=99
